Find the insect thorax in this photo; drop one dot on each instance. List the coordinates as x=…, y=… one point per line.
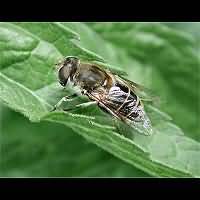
x=89, y=77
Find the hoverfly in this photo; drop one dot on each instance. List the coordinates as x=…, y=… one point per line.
x=111, y=92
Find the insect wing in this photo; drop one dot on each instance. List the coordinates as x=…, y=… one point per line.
x=143, y=93
x=144, y=126
x=111, y=105
x=112, y=70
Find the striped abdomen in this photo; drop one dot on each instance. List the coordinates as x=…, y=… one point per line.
x=124, y=102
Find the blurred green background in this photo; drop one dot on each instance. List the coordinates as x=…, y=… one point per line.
x=49, y=149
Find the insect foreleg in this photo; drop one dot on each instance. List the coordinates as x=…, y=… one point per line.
x=71, y=97
x=66, y=98
x=82, y=105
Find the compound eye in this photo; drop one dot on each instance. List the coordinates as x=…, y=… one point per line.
x=68, y=60
x=63, y=75
x=71, y=59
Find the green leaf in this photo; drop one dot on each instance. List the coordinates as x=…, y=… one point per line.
x=49, y=149
x=28, y=85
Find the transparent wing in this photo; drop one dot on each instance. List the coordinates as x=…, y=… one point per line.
x=108, y=67
x=144, y=126
x=142, y=92
x=127, y=127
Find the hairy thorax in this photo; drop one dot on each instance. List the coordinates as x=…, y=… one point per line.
x=89, y=78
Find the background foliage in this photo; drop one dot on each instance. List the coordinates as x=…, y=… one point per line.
x=164, y=57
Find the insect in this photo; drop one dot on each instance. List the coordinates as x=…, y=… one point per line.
x=106, y=88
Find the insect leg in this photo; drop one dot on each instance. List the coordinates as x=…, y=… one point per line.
x=66, y=98
x=71, y=97
x=82, y=105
